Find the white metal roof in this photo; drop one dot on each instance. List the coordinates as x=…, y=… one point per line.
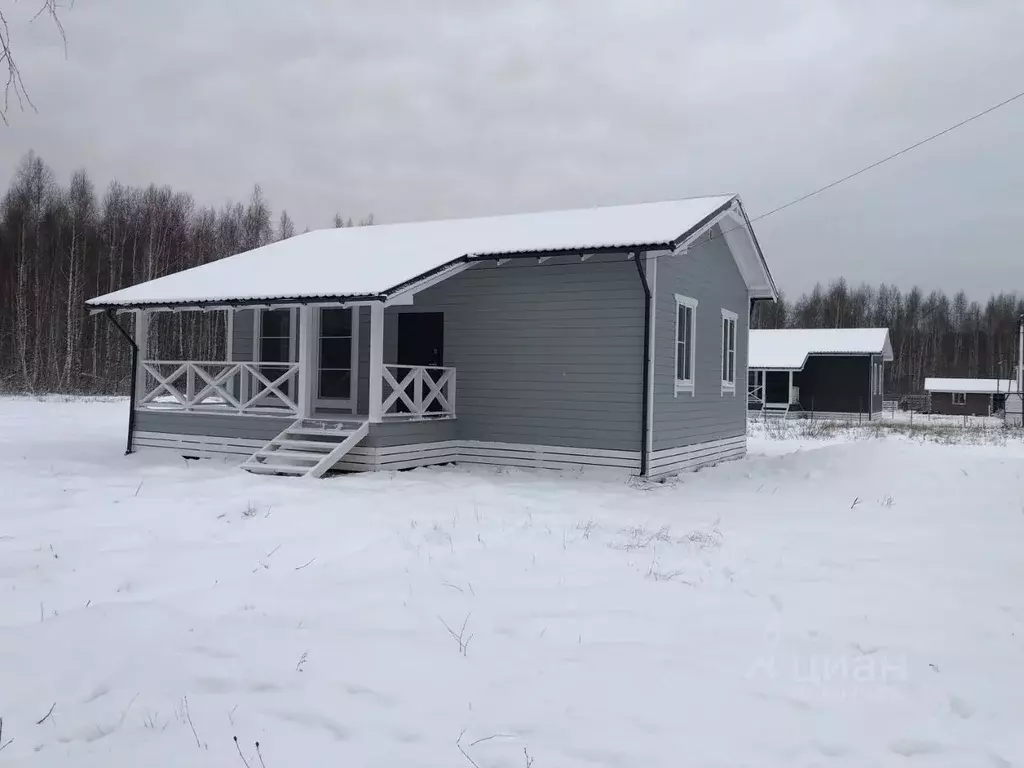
x=787, y=349
x=970, y=386
x=370, y=262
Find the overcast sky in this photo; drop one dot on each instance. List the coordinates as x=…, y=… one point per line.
x=415, y=109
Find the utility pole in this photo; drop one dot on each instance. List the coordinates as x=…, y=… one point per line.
x=1020, y=357
x=1019, y=394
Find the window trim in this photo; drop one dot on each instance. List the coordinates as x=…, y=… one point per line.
x=728, y=317
x=961, y=395
x=685, y=385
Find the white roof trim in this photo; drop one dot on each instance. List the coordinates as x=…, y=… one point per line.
x=788, y=349
x=379, y=262
x=739, y=236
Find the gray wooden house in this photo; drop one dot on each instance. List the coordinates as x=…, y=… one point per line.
x=612, y=337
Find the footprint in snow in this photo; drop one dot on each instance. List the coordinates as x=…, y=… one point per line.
x=97, y=693
x=960, y=708
x=831, y=750
x=913, y=747
x=316, y=721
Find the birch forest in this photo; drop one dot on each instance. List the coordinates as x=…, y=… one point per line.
x=63, y=243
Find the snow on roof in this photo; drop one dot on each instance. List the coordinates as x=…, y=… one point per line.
x=970, y=386
x=365, y=262
x=787, y=350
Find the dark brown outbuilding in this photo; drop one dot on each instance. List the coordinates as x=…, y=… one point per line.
x=968, y=397
x=966, y=403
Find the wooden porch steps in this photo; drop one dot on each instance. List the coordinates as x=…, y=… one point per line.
x=775, y=411
x=307, y=448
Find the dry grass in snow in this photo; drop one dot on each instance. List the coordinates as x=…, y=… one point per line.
x=849, y=603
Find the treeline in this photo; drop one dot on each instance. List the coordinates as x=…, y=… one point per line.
x=932, y=335
x=60, y=245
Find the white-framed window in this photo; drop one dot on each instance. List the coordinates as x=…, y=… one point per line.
x=959, y=398
x=729, y=320
x=686, y=338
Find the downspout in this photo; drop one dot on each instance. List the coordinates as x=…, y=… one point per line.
x=135, y=369
x=646, y=400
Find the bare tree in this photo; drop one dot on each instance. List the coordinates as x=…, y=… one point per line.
x=62, y=243
x=15, y=84
x=285, y=226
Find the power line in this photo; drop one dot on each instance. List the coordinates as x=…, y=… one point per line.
x=893, y=156
x=842, y=180
x=819, y=190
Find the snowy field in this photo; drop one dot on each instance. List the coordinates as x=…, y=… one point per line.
x=849, y=602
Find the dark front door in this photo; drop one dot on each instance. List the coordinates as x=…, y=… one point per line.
x=420, y=342
x=421, y=338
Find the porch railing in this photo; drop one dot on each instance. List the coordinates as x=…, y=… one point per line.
x=418, y=390
x=220, y=387
x=755, y=394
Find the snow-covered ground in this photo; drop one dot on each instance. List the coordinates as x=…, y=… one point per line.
x=856, y=602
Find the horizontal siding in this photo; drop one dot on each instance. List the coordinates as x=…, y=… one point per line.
x=545, y=354
x=976, y=404
x=212, y=424
x=199, y=446
x=393, y=433
x=584, y=397
x=675, y=460
x=409, y=455
x=836, y=383
x=707, y=273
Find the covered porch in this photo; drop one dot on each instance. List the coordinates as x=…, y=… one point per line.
x=324, y=361
x=772, y=391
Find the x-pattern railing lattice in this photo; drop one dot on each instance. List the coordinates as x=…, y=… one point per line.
x=433, y=390
x=243, y=387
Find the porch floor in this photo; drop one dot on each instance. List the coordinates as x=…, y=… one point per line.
x=325, y=415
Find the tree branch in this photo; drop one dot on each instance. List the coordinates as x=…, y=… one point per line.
x=15, y=84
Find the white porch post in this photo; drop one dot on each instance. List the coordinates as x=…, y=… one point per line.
x=376, y=360
x=229, y=333
x=789, y=400
x=245, y=377
x=229, y=348
x=142, y=342
x=307, y=360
